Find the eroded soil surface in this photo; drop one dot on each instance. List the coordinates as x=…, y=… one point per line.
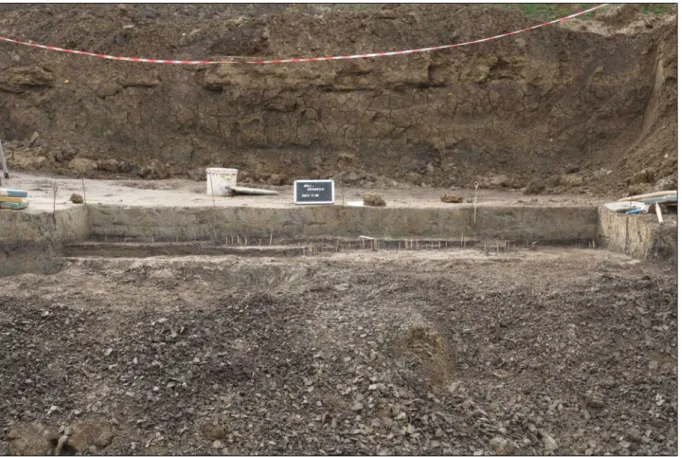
x=556, y=351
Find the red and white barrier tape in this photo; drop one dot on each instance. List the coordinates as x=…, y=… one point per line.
x=295, y=60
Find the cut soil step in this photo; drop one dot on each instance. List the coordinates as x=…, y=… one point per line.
x=295, y=248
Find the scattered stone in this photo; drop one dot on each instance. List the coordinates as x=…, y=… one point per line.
x=501, y=446
x=571, y=180
x=108, y=89
x=571, y=168
x=111, y=165
x=154, y=170
x=549, y=442
x=643, y=177
x=414, y=178
x=495, y=182
x=82, y=166
x=150, y=14
x=534, y=188
x=20, y=78
x=667, y=183
x=451, y=198
x=197, y=174
x=602, y=172
x=33, y=139
x=634, y=436
x=276, y=180
x=76, y=198
x=595, y=403
x=217, y=444
x=639, y=189
x=373, y=200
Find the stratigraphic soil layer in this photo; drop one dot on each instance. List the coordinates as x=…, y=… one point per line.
x=584, y=106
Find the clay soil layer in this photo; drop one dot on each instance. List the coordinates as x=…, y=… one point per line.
x=555, y=351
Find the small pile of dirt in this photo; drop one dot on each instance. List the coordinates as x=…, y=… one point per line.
x=34, y=438
x=451, y=198
x=371, y=199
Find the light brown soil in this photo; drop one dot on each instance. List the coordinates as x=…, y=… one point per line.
x=438, y=352
x=186, y=193
x=584, y=105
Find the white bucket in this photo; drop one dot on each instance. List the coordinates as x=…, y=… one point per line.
x=218, y=180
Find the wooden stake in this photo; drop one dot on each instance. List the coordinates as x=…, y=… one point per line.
x=475, y=199
x=210, y=180
x=270, y=238
x=54, y=203
x=85, y=201
x=659, y=214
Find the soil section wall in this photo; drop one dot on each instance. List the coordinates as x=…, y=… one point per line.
x=29, y=240
x=641, y=237
x=517, y=224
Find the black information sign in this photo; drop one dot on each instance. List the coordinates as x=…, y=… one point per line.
x=314, y=192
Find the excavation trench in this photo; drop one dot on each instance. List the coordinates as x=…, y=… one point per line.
x=36, y=241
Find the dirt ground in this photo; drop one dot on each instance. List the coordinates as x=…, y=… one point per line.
x=431, y=352
x=555, y=351
x=187, y=193
x=586, y=105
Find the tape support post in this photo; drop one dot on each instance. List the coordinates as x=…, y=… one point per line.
x=298, y=60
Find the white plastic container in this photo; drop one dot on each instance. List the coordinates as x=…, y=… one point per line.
x=219, y=180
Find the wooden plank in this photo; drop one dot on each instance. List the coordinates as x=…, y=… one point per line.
x=651, y=195
x=11, y=199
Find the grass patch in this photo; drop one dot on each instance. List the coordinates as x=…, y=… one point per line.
x=551, y=11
